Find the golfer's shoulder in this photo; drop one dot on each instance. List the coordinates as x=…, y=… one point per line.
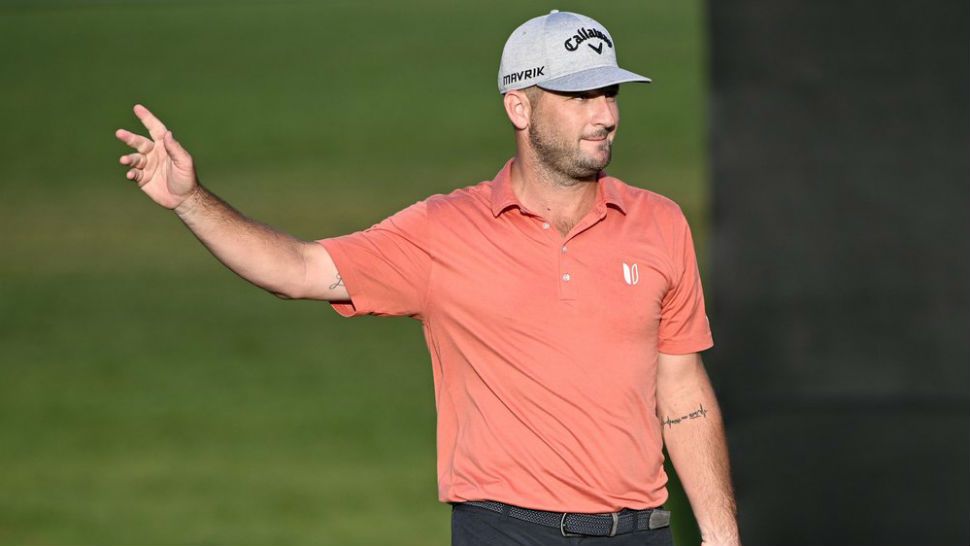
x=463, y=200
x=640, y=201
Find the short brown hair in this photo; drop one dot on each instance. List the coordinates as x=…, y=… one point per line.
x=533, y=92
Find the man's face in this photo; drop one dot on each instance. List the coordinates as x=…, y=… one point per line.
x=572, y=133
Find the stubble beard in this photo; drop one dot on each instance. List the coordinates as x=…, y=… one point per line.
x=566, y=159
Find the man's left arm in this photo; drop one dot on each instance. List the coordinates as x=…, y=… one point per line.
x=693, y=432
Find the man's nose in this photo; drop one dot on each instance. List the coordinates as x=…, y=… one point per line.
x=605, y=113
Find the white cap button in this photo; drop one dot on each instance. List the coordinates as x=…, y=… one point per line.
x=566, y=277
x=545, y=225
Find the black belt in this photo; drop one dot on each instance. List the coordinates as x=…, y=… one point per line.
x=574, y=525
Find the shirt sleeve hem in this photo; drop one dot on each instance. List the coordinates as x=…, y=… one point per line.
x=686, y=346
x=348, y=273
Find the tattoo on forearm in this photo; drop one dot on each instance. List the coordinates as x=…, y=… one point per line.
x=696, y=414
x=340, y=282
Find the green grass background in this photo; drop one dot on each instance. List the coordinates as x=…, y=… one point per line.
x=147, y=395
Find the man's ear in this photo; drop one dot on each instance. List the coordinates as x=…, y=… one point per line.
x=518, y=108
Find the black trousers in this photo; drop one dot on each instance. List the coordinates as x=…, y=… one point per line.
x=477, y=526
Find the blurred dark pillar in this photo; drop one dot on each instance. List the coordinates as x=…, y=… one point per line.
x=841, y=286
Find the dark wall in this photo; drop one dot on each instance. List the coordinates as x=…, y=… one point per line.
x=841, y=278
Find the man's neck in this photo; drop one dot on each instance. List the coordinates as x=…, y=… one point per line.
x=553, y=196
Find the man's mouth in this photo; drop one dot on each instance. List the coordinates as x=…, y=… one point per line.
x=597, y=137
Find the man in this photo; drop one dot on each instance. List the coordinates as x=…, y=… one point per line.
x=562, y=309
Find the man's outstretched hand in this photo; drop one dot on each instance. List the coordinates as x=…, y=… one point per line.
x=160, y=165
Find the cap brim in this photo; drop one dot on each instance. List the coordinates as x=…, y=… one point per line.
x=593, y=78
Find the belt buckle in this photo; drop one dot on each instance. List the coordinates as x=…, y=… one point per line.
x=616, y=523
x=562, y=525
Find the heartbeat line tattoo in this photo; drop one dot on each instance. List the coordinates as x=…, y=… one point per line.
x=696, y=414
x=340, y=282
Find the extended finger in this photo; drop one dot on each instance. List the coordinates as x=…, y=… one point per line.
x=137, y=161
x=134, y=174
x=138, y=142
x=155, y=127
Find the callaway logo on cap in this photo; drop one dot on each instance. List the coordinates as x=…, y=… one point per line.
x=561, y=51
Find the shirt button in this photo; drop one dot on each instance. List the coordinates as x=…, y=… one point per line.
x=566, y=277
x=563, y=249
x=545, y=225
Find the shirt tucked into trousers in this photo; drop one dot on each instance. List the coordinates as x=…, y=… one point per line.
x=475, y=526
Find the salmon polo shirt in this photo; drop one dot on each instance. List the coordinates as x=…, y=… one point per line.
x=543, y=347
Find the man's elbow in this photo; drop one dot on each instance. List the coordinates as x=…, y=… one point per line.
x=284, y=295
x=288, y=292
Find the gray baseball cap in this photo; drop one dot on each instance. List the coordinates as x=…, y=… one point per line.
x=561, y=51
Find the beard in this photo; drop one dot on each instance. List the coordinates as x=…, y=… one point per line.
x=567, y=158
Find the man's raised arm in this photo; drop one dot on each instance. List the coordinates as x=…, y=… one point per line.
x=270, y=259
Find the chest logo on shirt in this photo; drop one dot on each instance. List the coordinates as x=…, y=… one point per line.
x=631, y=274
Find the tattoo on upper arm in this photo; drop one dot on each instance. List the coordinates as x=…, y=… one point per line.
x=696, y=414
x=340, y=282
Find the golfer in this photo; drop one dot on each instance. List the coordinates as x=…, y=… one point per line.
x=562, y=309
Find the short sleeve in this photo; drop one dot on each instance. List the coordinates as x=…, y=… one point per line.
x=684, y=327
x=385, y=267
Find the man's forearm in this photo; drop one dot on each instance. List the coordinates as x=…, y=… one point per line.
x=263, y=256
x=693, y=432
x=698, y=450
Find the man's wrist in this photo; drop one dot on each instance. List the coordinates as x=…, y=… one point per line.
x=191, y=202
x=728, y=537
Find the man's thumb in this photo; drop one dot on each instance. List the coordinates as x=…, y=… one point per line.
x=179, y=156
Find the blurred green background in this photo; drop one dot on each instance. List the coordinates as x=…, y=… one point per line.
x=149, y=396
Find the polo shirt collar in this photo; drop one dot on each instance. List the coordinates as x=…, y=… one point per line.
x=608, y=191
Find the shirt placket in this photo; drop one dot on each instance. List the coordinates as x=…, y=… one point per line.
x=567, y=272
x=566, y=262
